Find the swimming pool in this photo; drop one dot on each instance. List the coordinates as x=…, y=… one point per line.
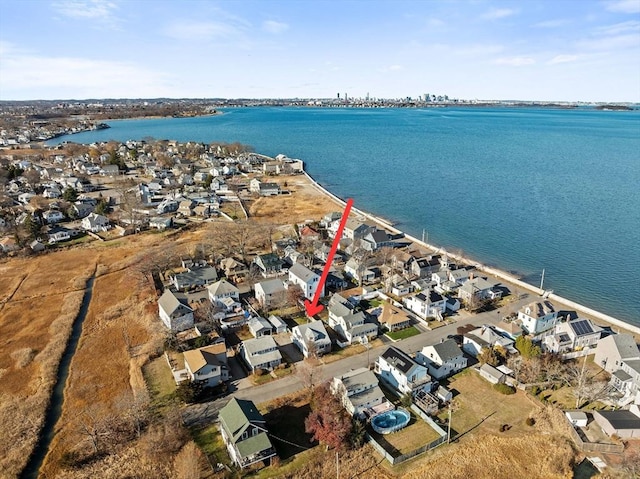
x=390, y=421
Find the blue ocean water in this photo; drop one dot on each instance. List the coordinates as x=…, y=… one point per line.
x=519, y=188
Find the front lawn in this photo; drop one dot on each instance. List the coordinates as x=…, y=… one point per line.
x=403, y=333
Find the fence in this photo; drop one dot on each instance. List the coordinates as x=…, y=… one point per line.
x=586, y=446
x=405, y=457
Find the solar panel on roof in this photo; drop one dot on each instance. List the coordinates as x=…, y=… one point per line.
x=582, y=327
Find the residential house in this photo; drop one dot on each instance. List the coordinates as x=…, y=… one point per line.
x=95, y=223
x=53, y=216
x=311, y=339
x=269, y=264
x=376, y=239
x=393, y=318
x=81, y=210
x=194, y=277
x=351, y=325
x=261, y=353
x=222, y=289
x=479, y=289
x=185, y=207
x=263, y=188
x=175, y=314
x=233, y=268
x=442, y=359
x=308, y=281
x=511, y=329
x=538, y=317
x=427, y=304
x=404, y=375
x=244, y=432
x=259, y=327
x=572, y=335
x=619, y=355
x=36, y=246
x=359, y=271
x=271, y=293
x=8, y=244
x=353, y=229
x=207, y=365
x=459, y=276
x=424, y=267
x=160, y=223
x=486, y=336
x=359, y=392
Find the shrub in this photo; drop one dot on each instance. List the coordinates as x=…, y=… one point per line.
x=504, y=388
x=530, y=421
x=535, y=390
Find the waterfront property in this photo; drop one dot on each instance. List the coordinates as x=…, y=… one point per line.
x=618, y=354
x=538, y=317
x=572, y=335
x=245, y=433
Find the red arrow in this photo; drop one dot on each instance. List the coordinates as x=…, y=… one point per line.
x=313, y=307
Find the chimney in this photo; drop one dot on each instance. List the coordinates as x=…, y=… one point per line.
x=470, y=276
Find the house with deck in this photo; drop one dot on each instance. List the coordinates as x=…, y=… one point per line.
x=618, y=354
x=427, y=304
x=572, y=335
x=393, y=318
x=359, y=392
x=244, y=432
x=402, y=373
x=207, y=365
x=442, y=359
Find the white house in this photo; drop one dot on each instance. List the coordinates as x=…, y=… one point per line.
x=486, y=337
x=95, y=223
x=619, y=355
x=261, y=353
x=572, y=335
x=222, y=289
x=311, y=338
x=207, y=365
x=53, y=216
x=306, y=279
x=270, y=293
x=259, y=327
x=538, y=316
x=442, y=359
x=427, y=304
x=359, y=392
x=402, y=373
x=175, y=315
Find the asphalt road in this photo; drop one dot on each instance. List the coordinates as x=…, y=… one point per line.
x=205, y=413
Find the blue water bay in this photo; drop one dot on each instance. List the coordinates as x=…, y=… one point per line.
x=519, y=188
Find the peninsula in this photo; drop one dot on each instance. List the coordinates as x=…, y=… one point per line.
x=196, y=354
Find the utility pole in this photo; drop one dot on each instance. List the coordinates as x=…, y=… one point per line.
x=542, y=280
x=337, y=467
x=449, y=426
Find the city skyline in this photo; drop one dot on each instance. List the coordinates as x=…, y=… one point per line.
x=487, y=50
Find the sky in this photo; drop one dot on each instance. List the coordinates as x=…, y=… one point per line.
x=557, y=50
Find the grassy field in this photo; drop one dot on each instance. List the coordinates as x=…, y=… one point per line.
x=403, y=333
x=416, y=434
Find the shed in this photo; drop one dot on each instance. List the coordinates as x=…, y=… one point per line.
x=260, y=327
x=278, y=324
x=577, y=418
x=491, y=374
x=622, y=423
x=444, y=394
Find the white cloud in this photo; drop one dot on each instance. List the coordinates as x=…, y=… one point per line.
x=498, y=13
x=632, y=26
x=86, y=9
x=271, y=26
x=551, y=23
x=623, y=6
x=201, y=30
x=515, y=61
x=562, y=59
x=72, y=77
x=395, y=68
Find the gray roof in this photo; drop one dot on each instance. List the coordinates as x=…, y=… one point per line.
x=633, y=364
x=253, y=346
x=358, y=378
x=491, y=371
x=198, y=275
x=256, y=324
x=398, y=359
x=622, y=375
x=339, y=306
x=447, y=350
x=626, y=346
x=621, y=419
x=302, y=272
x=169, y=303
x=314, y=330
x=272, y=286
x=222, y=287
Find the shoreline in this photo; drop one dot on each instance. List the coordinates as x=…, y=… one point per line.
x=499, y=274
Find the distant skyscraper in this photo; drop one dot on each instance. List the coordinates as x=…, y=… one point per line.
x=338, y=96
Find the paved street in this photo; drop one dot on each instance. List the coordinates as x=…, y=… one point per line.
x=202, y=414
